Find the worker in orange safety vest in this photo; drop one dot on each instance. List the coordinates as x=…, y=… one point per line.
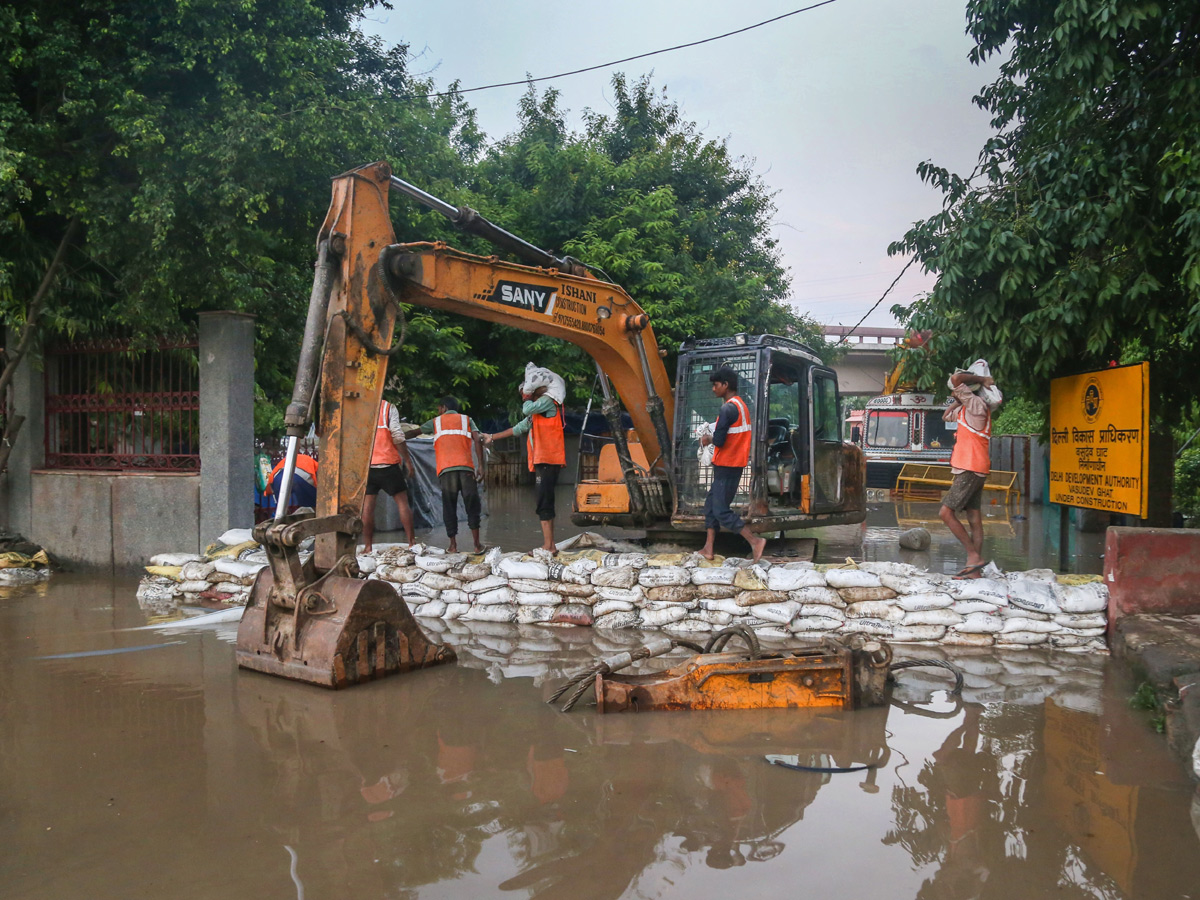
x=304, y=482
x=459, y=468
x=389, y=461
x=975, y=398
x=544, y=425
x=732, y=437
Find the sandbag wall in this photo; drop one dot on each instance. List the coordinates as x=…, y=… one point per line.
x=690, y=595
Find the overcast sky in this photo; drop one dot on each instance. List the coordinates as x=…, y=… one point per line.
x=834, y=108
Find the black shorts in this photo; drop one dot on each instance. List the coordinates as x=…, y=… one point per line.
x=389, y=479
x=966, y=491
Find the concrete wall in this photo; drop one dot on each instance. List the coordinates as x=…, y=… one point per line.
x=1152, y=570
x=108, y=522
x=114, y=522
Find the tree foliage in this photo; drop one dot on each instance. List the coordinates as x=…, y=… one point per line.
x=1076, y=241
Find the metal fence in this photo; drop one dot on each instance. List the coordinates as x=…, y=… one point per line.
x=115, y=408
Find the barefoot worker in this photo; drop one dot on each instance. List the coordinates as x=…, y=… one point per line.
x=543, y=393
x=975, y=398
x=457, y=470
x=732, y=439
x=389, y=462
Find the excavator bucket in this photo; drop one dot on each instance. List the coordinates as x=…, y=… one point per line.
x=358, y=631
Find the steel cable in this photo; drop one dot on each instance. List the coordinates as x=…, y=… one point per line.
x=934, y=664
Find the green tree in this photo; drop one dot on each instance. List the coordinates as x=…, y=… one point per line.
x=1076, y=240
x=176, y=157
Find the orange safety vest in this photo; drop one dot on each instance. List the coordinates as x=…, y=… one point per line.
x=383, y=451
x=452, y=441
x=545, y=442
x=306, y=470
x=735, y=452
x=972, y=450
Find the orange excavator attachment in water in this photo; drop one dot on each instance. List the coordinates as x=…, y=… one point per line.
x=312, y=618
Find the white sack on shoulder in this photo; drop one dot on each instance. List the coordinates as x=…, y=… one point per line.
x=537, y=377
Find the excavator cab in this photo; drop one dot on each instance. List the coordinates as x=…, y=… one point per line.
x=801, y=474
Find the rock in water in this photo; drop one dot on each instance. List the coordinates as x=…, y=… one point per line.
x=915, y=539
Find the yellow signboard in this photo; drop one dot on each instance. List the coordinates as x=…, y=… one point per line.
x=1099, y=429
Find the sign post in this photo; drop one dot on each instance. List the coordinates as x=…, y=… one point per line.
x=1099, y=439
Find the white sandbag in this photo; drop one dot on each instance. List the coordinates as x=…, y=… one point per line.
x=438, y=564
x=623, y=560
x=656, y=618
x=909, y=634
x=196, y=570
x=456, y=611
x=418, y=591
x=454, y=595
x=913, y=584
x=814, y=624
x=547, y=381
x=955, y=638
x=1082, y=620
x=1065, y=640
x=664, y=604
x=1022, y=638
x=664, y=576
x=688, y=626
x=711, y=616
x=826, y=596
x=1045, y=576
x=1083, y=598
x=522, y=568
x=1015, y=612
x=888, y=568
x=614, y=578
x=620, y=619
x=988, y=590
x=367, y=564
x=979, y=623
x=528, y=586
x=875, y=609
x=540, y=598
x=851, y=578
x=235, y=536
x=633, y=595
x=175, y=559
x=485, y=584
x=821, y=609
x=1082, y=632
x=915, y=602
x=725, y=605
x=215, y=577
x=434, y=609
x=966, y=607
x=675, y=593
x=1015, y=624
x=155, y=593
x=473, y=572
x=869, y=626
x=236, y=568
x=495, y=597
x=440, y=582
x=494, y=612
x=751, y=578
x=754, y=598
x=783, y=613
x=773, y=632
x=781, y=578
x=572, y=574
x=604, y=607
x=1038, y=596
x=932, y=617
x=713, y=575
x=534, y=615
x=193, y=587
x=399, y=574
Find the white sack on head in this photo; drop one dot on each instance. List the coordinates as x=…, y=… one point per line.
x=705, y=453
x=539, y=377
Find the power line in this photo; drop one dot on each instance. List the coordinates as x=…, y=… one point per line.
x=877, y=302
x=617, y=62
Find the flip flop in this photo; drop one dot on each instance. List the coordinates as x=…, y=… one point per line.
x=971, y=571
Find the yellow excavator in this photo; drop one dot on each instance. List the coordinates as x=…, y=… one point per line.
x=317, y=621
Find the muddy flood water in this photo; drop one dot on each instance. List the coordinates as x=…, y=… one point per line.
x=139, y=762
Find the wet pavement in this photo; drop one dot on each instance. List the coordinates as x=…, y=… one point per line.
x=163, y=771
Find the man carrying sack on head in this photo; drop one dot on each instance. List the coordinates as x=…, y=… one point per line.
x=975, y=398
x=543, y=393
